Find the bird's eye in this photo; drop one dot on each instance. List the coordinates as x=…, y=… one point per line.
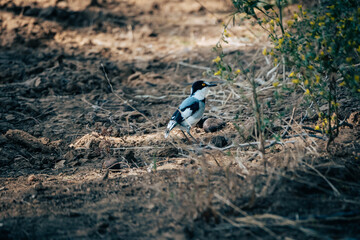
x=204, y=84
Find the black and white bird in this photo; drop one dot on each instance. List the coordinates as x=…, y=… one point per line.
x=191, y=109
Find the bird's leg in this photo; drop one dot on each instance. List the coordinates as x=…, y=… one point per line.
x=188, y=132
x=197, y=141
x=185, y=136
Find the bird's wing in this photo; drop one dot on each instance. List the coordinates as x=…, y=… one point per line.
x=177, y=117
x=188, y=107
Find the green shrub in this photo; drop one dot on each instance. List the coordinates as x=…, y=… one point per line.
x=319, y=47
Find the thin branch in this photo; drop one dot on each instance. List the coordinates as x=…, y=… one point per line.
x=194, y=66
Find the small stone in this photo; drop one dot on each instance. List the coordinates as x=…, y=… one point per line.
x=213, y=125
x=219, y=141
x=200, y=124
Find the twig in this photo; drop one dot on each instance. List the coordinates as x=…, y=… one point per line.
x=94, y=106
x=214, y=159
x=150, y=96
x=253, y=157
x=289, y=124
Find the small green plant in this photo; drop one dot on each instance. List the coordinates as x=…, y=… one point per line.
x=225, y=71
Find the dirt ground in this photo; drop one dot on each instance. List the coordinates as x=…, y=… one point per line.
x=62, y=122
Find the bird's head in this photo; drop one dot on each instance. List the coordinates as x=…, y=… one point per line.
x=200, y=89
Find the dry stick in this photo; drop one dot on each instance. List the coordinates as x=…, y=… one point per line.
x=194, y=66
x=258, y=120
x=123, y=100
x=94, y=106
x=214, y=159
x=306, y=135
x=289, y=124
x=337, y=193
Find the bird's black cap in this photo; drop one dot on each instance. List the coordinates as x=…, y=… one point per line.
x=200, y=85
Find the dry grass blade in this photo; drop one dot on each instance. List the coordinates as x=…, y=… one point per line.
x=279, y=221
x=263, y=220
x=252, y=221
x=336, y=192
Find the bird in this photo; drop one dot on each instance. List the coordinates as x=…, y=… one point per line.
x=191, y=109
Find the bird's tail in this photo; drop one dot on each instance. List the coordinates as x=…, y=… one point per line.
x=169, y=127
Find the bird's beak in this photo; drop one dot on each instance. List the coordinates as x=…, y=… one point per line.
x=211, y=85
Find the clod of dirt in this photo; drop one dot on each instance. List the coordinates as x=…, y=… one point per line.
x=219, y=141
x=213, y=125
x=24, y=138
